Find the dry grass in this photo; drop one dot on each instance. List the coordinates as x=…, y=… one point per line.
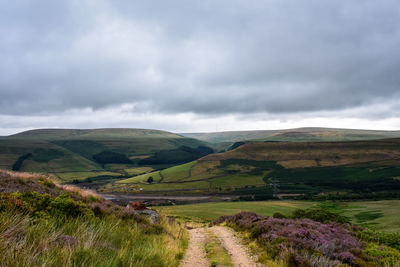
x=84, y=193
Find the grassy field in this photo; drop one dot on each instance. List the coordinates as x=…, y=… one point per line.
x=143, y=178
x=206, y=212
x=177, y=173
x=380, y=215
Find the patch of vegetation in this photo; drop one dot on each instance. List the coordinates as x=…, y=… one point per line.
x=45, y=155
x=304, y=242
x=44, y=206
x=319, y=215
x=182, y=154
x=206, y=212
x=85, y=148
x=356, y=179
x=17, y=165
x=261, y=165
x=105, y=157
x=216, y=253
x=142, y=178
x=178, y=173
x=74, y=228
x=365, y=216
x=236, y=145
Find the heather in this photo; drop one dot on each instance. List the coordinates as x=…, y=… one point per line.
x=65, y=226
x=304, y=242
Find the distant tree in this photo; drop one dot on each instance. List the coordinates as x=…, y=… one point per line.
x=18, y=164
x=150, y=180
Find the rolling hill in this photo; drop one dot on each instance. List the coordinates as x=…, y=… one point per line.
x=79, y=154
x=334, y=169
x=294, y=135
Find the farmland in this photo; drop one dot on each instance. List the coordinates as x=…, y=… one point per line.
x=320, y=169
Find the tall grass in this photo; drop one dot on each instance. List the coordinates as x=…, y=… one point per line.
x=45, y=224
x=110, y=241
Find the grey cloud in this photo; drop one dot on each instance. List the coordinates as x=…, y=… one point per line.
x=204, y=57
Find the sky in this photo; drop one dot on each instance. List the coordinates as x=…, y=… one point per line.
x=198, y=66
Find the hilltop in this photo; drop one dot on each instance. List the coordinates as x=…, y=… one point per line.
x=293, y=135
x=57, y=134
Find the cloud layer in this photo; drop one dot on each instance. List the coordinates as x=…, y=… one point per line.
x=205, y=58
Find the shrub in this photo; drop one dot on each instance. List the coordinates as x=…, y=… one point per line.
x=319, y=215
x=45, y=206
x=279, y=215
x=9, y=202
x=333, y=241
x=383, y=255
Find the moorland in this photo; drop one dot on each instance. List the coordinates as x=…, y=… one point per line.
x=301, y=197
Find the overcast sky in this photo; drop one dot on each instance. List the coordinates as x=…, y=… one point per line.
x=208, y=65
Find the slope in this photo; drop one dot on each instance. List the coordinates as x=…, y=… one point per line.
x=308, y=169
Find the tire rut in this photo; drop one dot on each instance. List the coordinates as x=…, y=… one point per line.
x=196, y=253
x=238, y=253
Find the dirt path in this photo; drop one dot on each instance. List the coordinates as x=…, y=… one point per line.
x=238, y=253
x=196, y=254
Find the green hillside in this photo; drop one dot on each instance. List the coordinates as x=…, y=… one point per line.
x=79, y=154
x=294, y=135
x=356, y=169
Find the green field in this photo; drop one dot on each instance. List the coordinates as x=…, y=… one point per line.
x=177, y=173
x=380, y=215
x=209, y=211
x=142, y=178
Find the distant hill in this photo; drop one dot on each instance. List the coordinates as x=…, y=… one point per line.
x=294, y=135
x=351, y=169
x=57, y=134
x=72, y=154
